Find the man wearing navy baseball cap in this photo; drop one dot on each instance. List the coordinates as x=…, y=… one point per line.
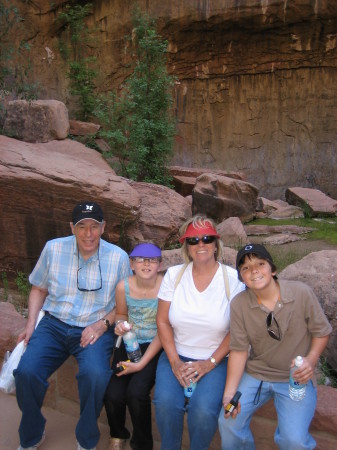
x=74, y=283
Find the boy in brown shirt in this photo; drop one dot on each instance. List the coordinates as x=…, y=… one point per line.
x=271, y=323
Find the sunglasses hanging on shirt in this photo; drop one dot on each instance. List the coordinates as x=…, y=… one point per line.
x=273, y=331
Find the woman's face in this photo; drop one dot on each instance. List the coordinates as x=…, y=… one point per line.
x=202, y=251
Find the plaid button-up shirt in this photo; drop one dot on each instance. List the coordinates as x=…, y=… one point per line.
x=56, y=271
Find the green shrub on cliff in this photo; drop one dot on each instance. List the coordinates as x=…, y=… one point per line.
x=139, y=124
x=81, y=66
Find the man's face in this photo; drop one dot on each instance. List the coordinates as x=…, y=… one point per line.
x=87, y=233
x=256, y=273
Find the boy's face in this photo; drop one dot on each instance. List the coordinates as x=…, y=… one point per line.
x=256, y=273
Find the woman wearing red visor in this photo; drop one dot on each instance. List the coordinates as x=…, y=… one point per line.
x=193, y=326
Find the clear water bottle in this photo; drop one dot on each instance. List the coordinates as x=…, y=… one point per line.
x=296, y=390
x=188, y=391
x=131, y=345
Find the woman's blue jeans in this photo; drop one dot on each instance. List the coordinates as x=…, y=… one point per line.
x=202, y=411
x=294, y=418
x=50, y=345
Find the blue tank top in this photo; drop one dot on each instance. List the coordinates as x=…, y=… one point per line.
x=142, y=315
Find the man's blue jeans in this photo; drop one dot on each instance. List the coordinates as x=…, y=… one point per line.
x=294, y=418
x=202, y=411
x=50, y=345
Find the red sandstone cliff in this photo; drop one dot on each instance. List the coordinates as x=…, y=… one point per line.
x=256, y=87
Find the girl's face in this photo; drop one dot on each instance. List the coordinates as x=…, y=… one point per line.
x=145, y=267
x=256, y=273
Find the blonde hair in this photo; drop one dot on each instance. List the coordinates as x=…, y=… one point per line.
x=201, y=222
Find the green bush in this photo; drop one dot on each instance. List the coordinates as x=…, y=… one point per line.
x=81, y=66
x=23, y=285
x=139, y=124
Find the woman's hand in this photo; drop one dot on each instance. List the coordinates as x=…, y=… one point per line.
x=195, y=370
x=177, y=369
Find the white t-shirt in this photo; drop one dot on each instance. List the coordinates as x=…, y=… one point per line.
x=200, y=320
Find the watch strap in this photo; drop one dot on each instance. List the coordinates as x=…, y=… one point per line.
x=213, y=361
x=106, y=323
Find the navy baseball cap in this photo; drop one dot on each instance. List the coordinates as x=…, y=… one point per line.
x=256, y=249
x=87, y=210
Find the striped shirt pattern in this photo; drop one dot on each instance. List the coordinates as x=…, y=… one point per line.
x=56, y=271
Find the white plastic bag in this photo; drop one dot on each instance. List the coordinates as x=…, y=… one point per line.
x=7, y=380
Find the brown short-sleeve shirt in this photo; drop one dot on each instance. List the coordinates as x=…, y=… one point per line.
x=300, y=317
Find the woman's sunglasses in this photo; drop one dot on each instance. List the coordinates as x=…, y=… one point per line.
x=204, y=239
x=276, y=332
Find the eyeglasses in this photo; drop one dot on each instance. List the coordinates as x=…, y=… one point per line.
x=204, y=239
x=100, y=275
x=141, y=259
x=276, y=333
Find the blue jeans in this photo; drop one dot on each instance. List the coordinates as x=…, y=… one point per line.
x=203, y=408
x=50, y=345
x=294, y=418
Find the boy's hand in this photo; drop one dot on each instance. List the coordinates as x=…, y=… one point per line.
x=236, y=411
x=304, y=373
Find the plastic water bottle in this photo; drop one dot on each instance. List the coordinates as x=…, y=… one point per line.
x=131, y=344
x=188, y=391
x=296, y=390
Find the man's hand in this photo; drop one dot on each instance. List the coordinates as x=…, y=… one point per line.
x=26, y=334
x=92, y=333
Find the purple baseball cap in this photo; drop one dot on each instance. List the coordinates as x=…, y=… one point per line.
x=146, y=251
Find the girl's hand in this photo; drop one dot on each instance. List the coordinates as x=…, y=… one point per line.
x=129, y=367
x=121, y=329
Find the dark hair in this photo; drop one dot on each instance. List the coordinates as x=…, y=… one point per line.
x=254, y=255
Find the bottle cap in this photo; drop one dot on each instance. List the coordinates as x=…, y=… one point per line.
x=298, y=361
x=127, y=325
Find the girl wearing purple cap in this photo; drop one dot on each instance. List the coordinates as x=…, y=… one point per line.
x=136, y=303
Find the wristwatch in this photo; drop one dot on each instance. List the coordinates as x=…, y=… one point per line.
x=213, y=361
x=106, y=323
